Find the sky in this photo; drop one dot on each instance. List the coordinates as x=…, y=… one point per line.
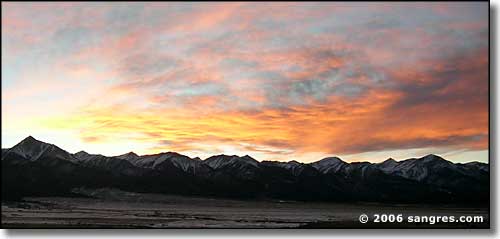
x=277, y=81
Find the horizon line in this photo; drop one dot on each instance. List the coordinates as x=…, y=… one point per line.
x=247, y=155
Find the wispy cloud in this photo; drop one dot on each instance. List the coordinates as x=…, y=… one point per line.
x=275, y=79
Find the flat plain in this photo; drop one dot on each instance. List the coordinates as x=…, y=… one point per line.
x=108, y=208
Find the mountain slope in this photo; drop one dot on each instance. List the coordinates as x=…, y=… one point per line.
x=169, y=161
x=240, y=167
x=32, y=149
x=33, y=167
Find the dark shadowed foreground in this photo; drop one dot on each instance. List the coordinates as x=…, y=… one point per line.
x=33, y=168
x=45, y=186
x=110, y=208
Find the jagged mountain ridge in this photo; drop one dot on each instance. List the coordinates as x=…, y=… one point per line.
x=407, y=168
x=330, y=178
x=32, y=149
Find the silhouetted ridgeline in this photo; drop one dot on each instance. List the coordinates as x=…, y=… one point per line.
x=35, y=168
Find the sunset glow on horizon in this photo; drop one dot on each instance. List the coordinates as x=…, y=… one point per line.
x=276, y=81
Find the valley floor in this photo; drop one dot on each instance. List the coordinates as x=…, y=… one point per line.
x=118, y=209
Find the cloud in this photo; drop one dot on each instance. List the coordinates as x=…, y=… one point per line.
x=338, y=126
x=274, y=79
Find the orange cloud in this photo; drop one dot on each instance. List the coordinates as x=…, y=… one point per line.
x=273, y=79
x=339, y=126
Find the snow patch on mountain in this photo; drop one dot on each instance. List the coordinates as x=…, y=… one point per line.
x=330, y=164
x=388, y=165
x=180, y=161
x=220, y=161
x=32, y=149
x=128, y=156
x=417, y=168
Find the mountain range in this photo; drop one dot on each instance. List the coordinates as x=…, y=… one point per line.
x=36, y=168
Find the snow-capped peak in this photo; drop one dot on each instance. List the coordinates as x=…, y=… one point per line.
x=81, y=154
x=329, y=164
x=185, y=163
x=329, y=160
x=389, y=161
x=153, y=161
x=417, y=168
x=33, y=149
x=222, y=160
x=129, y=155
x=432, y=158
x=388, y=165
